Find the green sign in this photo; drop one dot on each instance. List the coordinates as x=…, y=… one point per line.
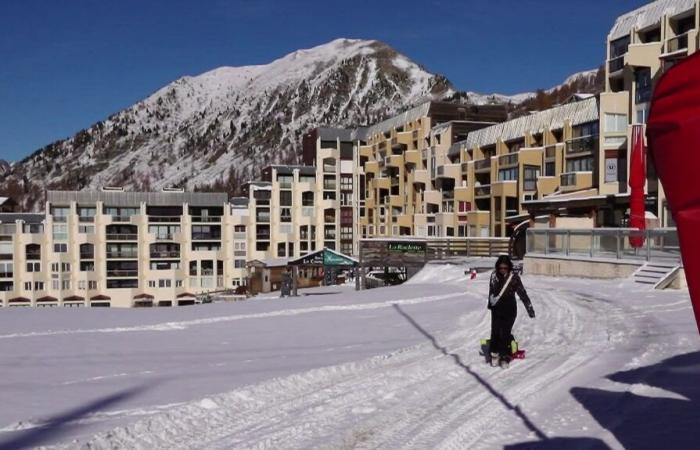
x=333, y=259
x=406, y=247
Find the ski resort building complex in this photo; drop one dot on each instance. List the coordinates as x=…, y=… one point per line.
x=440, y=169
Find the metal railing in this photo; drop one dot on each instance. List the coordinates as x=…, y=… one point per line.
x=616, y=64
x=165, y=254
x=482, y=191
x=164, y=219
x=122, y=237
x=122, y=273
x=508, y=160
x=677, y=43
x=659, y=244
x=482, y=164
x=206, y=236
x=582, y=144
x=206, y=219
x=123, y=255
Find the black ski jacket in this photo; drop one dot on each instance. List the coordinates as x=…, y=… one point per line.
x=506, y=305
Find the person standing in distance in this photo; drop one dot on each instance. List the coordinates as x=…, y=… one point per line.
x=503, y=286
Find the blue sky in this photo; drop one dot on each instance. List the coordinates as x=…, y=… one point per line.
x=65, y=65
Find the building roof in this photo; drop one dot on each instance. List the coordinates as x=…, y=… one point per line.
x=26, y=217
x=239, y=201
x=331, y=134
x=289, y=170
x=399, y=120
x=648, y=15
x=549, y=119
x=125, y=198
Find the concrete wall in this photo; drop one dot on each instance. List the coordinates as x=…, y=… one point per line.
x=583, y=268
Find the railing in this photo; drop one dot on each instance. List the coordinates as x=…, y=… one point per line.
x=29, y=228
x=165, y=254
x=482, y=164
x=121, y=218
x=656, y=244
x=329, y=168
x=567, y=179
x=123, y=255
x=508, y=160
x=616, y=64
x=164, y=237
x=122, y=237
x=262, y=217
x=550, y=151
x=448, y=195
x=206, y=236
x=33, y=256
x=482, y=191
x=582, y=144
x=7, y=274
x=86, y=256
x=286, y=184
x=206, y=219
x=329, y=185
x=677, y=43
x=84, y=219
x=262, y=236
x=60, y=219
x=529, y=185
x=122, y=273
x=329, y=218
x=165, y=219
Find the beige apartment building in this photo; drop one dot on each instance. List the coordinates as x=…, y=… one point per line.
x=123, y=249
x=641, y=45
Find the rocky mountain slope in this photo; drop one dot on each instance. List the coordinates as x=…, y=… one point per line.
x=218, y=129
x=221, y=127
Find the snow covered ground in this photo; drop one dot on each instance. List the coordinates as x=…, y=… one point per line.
x=609, y=365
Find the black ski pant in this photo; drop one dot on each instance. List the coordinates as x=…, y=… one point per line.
x=501, y=329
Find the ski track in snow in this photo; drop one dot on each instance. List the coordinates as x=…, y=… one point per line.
x=438, y=394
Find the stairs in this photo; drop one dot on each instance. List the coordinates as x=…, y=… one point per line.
x=655, y=274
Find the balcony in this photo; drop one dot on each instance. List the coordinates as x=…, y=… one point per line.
x=123, y=255
x=164, y=219
x=86, y=219
x=510, y=159
x=206, y=236
x=121, y=219
x=372, y=167
x=482, y=165
x=381, y=183
x=574, y=181
x=434, y=197
x=366, y=151
x=677, y=44
x=482, y=191
x=123, y=237
x=583, y=144
x=122, y=273
x=165, y=254
x=616, y=64
x=164, y=237
x=421, y=177
x=395, y=161
x=453, y=171
x=396, y=200
x=206, y=219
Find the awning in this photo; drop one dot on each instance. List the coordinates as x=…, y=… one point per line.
x=74, y=298
x=186, y=294
x=46, y=298
x=100, y=297
x=143, y=296
x=19, y=300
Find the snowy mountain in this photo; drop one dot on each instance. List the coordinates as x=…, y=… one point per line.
x=219, y=128
x=579, y=82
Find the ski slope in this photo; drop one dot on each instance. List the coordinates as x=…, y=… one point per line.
x=388, y=368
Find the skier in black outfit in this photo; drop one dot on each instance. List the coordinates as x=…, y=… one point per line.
x=503, y=286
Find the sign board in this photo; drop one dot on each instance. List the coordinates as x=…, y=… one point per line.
x=405, y=247
x=610, y=170
x=334, y=259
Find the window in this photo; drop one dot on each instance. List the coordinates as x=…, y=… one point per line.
x=615, y=123
x=92, y=284
x=193, y=268
x=65, y=285
x=307, y=199
x=60, y=232
x=285, y=198
x=164, y=283
x=550, y=169
x=55, y=285
x=27, y=285
x=281, y=250
x=86, y=229
x=642, y=85
x=285, y=181
x=290, y=249
x=307, y=179
x=239, y=263
x=33, y=267
x=38, y=285
x=508, y=174
x=346, y=233
x=54, y=267
x=86, y=214
x=346, y=199
x=123, y=283
x=87, y=266
x=346, y=182
x=579, y=165
x=65, y=267
x=81, y=285
x=60, y=213
x=285, y=214
x=151, y=283
x=60, y=248
x=239, y=228
x=178, y=283
x=530, y=174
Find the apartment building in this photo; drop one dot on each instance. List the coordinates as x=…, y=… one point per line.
x=641, y=45
x=123, y=249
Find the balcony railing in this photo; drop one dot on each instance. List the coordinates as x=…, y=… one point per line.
x=583, y=144
x=206, y=219
x=482, y=164
x=164, y=237
x=206, y=236
x=568, y=179
x=122, y=237
x=121, y=218
x=164, y=219
x=550, y=151
x=60, y=219
x=529, y=185
x=677, y=43
x=508, y=160
x=123, y=255
x=262, y=236
x=86, y=256
x=122, y=273
x=616, y=64
x=165, y=254
x=86, y=219
x=33, y=256
x=448, y=195
x=7, y=274
x=482, y=191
